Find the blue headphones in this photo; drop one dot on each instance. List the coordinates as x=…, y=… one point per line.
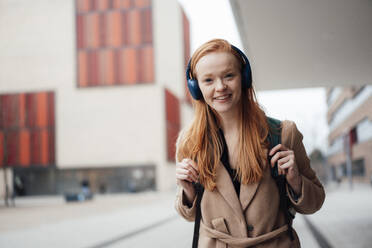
x=193, y=85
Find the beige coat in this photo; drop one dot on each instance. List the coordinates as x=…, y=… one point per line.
x=254, y=220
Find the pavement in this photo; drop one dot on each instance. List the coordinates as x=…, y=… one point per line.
x=345, y=219
x=149, y=220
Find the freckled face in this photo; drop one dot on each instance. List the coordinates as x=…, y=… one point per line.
x=219, y=79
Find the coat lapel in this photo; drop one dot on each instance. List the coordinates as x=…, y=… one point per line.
x=247, y=192
x=227, y=190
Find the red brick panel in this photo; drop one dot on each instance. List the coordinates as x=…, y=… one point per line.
x=51, y=110
x=93, y=69
x=113, y=28
x=172, y=113
x=42, y=110
x=126, y=4
x=146, y=28
x=2, y=146
x=2, y=111
x=83, y=68
x=128, y=66
x=173, y=123
x=35, y=146
x=106, y=60
x=142, y=3
x=83, y=5
x=52, y=146
x=92, y=33
x=117, y=67
x=80, y=30
x=44, y=147
x=31, y=110
x=125, y=28
x=147, y=64
x=12, y=142
x=9, y=111
x=114, y=42
x=30, y=139
x=24, y=148
x=134, y=27
x=94, y=4
x=115, y=4
x=102, y=29
x=102, y=4
x=22, y=110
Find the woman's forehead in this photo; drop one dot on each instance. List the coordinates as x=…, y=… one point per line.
x=216, y=61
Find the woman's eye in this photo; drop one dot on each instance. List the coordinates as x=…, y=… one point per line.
x=208, y=80
x=229, y=75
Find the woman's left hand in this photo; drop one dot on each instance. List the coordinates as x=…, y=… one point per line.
x=287, y=166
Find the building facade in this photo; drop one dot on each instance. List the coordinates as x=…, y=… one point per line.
x=350, y=128
x=91, y=90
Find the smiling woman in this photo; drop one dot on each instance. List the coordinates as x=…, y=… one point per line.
x=235, y=157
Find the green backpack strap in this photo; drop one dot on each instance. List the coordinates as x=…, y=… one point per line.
x=274, y=137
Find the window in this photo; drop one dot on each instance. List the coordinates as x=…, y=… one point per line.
x=358, y=167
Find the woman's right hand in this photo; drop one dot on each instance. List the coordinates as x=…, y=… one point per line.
x=186, y=173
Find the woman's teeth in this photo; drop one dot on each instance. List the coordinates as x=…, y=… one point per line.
x=222, y=97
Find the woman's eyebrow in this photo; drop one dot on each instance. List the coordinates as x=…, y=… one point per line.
x=229, y=68
x=206, y=75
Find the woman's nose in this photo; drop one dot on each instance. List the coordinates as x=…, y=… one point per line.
x=220, y=85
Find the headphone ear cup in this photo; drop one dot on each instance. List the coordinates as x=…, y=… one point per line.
x=194, y=89
x=246, y=70
x=246, y=77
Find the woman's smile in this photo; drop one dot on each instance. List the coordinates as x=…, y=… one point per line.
x=223, y=98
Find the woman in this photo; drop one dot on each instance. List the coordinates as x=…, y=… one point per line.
x=226, y=150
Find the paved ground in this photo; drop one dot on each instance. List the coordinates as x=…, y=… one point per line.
x=149, y=220
x=345, y=219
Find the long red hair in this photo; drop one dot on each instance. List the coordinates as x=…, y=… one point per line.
x=201, y=142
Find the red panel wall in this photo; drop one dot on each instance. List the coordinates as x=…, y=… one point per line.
x=173, y=120
x=27, y=129
x=114, y=42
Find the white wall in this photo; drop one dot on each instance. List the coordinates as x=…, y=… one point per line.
x=37, y=44
x=169, y=69
x=110, y=126
x=168, y=45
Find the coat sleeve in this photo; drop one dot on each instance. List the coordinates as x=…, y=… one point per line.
x=186, y=211
x=312, y=192
x=183, y=209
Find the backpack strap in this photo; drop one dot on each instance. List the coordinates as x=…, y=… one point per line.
x=199, y=190
x=274, y=138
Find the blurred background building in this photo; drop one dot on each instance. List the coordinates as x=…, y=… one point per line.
x=350, y=124
x=91, y=90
